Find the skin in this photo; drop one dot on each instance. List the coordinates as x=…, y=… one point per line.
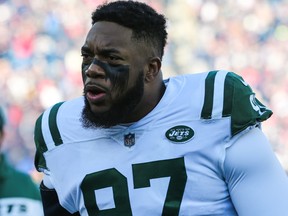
x=112, y=45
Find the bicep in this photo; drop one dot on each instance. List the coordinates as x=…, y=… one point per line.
x=257, y=183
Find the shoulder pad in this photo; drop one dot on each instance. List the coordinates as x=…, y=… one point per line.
x=228, y=95
x=41, y=144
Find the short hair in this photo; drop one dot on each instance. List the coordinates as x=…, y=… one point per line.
x=146, y=24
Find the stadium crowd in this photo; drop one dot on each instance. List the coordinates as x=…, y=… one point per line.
x=40, y=57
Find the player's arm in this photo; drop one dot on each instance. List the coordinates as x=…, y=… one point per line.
x=257, y=183
x=50, y=201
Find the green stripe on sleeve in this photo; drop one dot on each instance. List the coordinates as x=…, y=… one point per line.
x=241, y=104
x=41, y=147
x=206, y=112
x=53, y=124
x=228, y=95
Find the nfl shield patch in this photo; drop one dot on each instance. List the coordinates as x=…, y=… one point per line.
x=129, y=139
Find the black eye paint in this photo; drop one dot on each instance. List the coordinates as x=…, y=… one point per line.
x=118, y=74
x=84, y=67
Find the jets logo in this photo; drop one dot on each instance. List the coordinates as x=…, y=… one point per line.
x=179, y=134
x=256, y=106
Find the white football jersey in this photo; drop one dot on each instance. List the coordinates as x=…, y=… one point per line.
x=168, y=163
x=20, y=206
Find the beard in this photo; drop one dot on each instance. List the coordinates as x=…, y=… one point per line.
x=119, y=110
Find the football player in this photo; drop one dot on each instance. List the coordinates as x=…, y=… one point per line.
x=19, y=195
x=135, y=144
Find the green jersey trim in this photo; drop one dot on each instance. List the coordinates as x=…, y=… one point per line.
x=208, y=98
x=41, y=146
x=53, y=124
x=228, y=95
x=245, y=109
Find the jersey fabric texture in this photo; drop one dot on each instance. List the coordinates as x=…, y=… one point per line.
x=19, y=195
x=168, y=163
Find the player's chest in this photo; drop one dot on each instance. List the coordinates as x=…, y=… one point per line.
x=156, y=172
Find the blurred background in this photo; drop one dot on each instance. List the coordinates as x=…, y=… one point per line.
x=40, y=58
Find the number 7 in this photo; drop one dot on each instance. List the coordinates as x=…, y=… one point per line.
x=142, y=173
x=175, y=168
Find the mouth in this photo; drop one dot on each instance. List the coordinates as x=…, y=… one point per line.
x=94, y=93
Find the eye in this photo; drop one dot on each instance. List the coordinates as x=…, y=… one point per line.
x=113, y=58
x=86, y=58
x=84, y=55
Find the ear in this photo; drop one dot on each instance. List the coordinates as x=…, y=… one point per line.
x=154, y=66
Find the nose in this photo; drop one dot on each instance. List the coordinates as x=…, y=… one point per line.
x=95, y=71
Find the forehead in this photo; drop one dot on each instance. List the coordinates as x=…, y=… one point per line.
x=108, y=35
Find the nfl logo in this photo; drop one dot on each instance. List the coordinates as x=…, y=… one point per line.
x=129, y=139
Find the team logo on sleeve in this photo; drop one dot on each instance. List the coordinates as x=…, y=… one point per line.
x=256, y=106
x=179, y=134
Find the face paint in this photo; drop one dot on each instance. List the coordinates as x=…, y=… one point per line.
x=120, y=109
x=84, y=68
x=118, y=74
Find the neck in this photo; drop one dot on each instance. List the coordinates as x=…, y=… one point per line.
x=148, y=103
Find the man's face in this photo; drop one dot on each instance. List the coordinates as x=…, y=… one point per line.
x=113, y=75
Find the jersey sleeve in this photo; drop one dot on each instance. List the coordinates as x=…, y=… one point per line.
x=51, y=204
x=241, y=104
x=257, y=183
x=48, y=119
x=228, y=95
x=39, y=161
